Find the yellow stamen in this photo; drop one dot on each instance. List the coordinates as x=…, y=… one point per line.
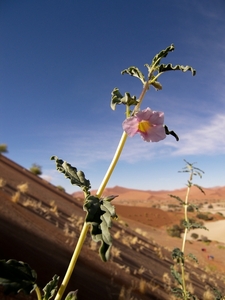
x=144, y=126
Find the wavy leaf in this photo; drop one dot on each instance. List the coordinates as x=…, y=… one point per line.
x=178, y=255
x=51, y=288
x=134, y=71
x=17, y=276
x=118, y=99
x=72, y=295
x=157, y=58
x=176, y=275
x=76, y=177
x=170, y=67
x=99, y=215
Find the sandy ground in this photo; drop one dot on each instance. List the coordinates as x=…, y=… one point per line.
x=215, y=232
x=43, y=234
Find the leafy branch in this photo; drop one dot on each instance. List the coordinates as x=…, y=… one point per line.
x=76, y=177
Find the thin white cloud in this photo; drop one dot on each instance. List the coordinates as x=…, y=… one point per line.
x=206, y=140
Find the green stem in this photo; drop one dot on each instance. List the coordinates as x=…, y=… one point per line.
x=98, y=194
x=37, y=290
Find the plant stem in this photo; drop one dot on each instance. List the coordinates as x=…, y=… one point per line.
x=98, y=194
x=112, y=165
x=37, y=290
x=73, y=261
x=185, y=234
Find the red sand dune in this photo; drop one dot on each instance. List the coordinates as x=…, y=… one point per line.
x=148, y=198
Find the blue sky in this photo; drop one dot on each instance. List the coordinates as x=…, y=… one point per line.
x=60, y=61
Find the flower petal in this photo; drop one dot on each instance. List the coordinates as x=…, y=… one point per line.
x=130, y=126
x=156, y=134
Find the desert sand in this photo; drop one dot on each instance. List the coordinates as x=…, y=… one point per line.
x=41, y=226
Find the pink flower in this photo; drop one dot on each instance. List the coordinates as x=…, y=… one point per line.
x=148, y=123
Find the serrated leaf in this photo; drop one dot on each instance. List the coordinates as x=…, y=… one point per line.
x=170, y=67
x=134, y=71
x=76, y=177
x=51, y=288
x=17, y=276
x=72, y=295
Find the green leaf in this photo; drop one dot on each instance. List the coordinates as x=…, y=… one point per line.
x=99, y=215
x=17, y=276
x=134, y=71
x=76, y=177
x=218, y=294
x=195, y=226
x=195, y=207
x=176, y=275
x=157, y=85
x=178, y=292
x=177, y=198
x=170, y=67
x=72, y=295
x=51, y=288
x=157, y=58
x=178, y=255
x=118, y=99
x=192, y=256
x=191, y=169
x=199, y=187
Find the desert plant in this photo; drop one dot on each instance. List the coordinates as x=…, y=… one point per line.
x=2, y=182
x=194, y=235
x=3, y=148
x=36, y=169
x=190, y=209
x=99, y=210
x=205, y=217
x=175, y=231
x=22, y=188
x=59, y=187
x=178, y=255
